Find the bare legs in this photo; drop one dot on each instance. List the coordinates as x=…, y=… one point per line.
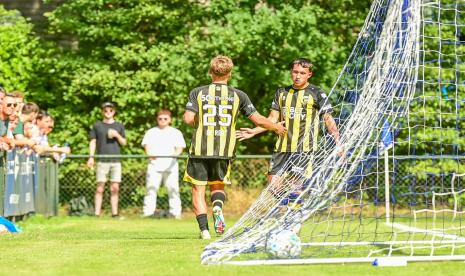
x=114, y=188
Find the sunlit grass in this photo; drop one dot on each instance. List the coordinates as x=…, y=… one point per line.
x=135, y=246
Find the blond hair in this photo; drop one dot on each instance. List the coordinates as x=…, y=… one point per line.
x=17, y=94
x=220, y=66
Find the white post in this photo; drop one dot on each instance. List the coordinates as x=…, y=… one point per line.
x=386, y=184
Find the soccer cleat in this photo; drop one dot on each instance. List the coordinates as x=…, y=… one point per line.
x=205, y=235
x=218, y=220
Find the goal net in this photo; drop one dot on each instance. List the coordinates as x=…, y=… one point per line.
x=394, y=186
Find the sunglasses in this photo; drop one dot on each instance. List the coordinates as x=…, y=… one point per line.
x=11, y=104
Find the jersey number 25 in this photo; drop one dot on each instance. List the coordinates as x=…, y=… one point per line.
x=221, y=111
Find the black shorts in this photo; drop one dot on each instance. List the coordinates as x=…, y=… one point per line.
x=299, y=163
x=203, y=171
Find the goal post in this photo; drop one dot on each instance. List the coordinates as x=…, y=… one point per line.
x=401, y=198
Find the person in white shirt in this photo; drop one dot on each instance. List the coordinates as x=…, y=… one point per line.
x=160, y=141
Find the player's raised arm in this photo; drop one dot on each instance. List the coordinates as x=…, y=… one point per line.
x=266, y=123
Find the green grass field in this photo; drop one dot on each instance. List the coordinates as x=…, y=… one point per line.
x=135, y=246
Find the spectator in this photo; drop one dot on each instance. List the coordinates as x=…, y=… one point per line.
x=31, y=131
x=45, y=123
x=107, y=137
x=13, y=120
x=28, y=115
x=8, y=107
x=19, y=97
x=163, y=140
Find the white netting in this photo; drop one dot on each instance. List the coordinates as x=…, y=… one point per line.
x=394, y=84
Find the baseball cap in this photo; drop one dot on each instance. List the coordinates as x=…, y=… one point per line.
x=108, y=104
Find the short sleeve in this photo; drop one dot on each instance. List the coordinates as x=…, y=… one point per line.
x=122, y=132
x=275, y=104
x=180, y=142
x=3, y=127
x=19, y=129
x=323, y=102
x=245, y=105
x=93, y=132
x=146, y=137
x=192, y=103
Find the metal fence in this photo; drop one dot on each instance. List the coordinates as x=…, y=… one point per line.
x=412, y=180
x=76, y=179
x=426, y=181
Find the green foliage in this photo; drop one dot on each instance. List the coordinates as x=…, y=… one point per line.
x=146, y=55
x=459, y=201
x=423, y=167
x=436, y=116
x=17, y=42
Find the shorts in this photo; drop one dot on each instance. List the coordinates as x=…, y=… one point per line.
x=297, y=163
x=203, y=171
x=112, y=168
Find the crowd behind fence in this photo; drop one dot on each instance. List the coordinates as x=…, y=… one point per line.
x=29, y=184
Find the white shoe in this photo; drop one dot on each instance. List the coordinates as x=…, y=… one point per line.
x=205, y=235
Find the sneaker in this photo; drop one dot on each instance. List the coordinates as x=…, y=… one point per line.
x=205, y=235
x=218, y=220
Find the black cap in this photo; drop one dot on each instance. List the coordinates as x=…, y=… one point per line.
x=108, y=104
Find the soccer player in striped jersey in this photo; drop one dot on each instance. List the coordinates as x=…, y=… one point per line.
x=212, y=110
x=300, y=106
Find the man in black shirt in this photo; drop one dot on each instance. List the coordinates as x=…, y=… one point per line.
x=107, y=137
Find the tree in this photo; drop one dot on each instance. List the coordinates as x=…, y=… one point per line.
x=17, y=42
x=147, y=55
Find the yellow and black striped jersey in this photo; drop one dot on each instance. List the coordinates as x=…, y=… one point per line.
x=217, y=107
x=300, y=110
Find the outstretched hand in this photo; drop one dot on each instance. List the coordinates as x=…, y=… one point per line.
x=245, y=133
x=280, y=128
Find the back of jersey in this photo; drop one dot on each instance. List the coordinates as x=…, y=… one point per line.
x=216, y=106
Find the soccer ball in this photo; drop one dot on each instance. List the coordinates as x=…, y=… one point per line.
x=283, y=244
